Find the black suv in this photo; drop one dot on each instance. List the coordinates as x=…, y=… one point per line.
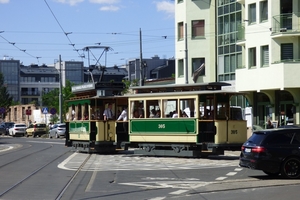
x=274, y=151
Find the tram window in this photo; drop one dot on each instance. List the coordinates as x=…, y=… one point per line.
x=170, y=108
x=152, y=108
x=236, y=113
x=222, y=112
x=137, y=109
x=187, y=108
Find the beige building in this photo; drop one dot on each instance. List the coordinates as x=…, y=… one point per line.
x=253, y=44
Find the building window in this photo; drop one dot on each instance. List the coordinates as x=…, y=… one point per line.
x=198, y=66
x=265, y=56
x=179, y=1
x=198, y=28
x=263, y=11
x=180, y=31
x=180, y=68
x=252, y=57
x=287, y=52
x=252, y=13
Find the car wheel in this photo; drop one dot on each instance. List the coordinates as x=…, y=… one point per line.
x=271, y=173
x=56, y=135
x=291, y=168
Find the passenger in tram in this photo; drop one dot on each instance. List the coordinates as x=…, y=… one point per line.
x=141, y=110
x=136, y=114
x=123, y=115
x=86, y=116
x=175, y=114
x=157, y=115
x=152, y=113
x=108, y=113
x=184, y=114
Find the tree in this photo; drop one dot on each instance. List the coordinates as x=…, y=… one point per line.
x=6, y=99
x=51, y=99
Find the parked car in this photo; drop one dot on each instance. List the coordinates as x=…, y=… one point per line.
x=17, y=130
x=2, y=129
x=36, y=129
x=274, y=151
x=8, y=125
x=57, y=130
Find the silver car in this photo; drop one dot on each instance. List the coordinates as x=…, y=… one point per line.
x=57, y=130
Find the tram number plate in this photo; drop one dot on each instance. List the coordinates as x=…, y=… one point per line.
x=161, y=126
x=234, y=132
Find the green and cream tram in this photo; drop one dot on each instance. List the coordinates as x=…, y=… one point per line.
x=172, y=120
x=192, y=120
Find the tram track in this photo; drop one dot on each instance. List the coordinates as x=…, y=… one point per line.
x=23, y=157
x=27, y=177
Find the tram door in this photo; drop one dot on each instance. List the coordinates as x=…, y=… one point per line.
x=286, y=113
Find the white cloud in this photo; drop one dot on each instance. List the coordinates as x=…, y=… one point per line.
x=70, y=2
x=165, y=6
x=4, y=1
x=109, y=8
x=105, y=1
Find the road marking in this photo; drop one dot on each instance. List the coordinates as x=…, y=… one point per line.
x=231, y=174
x=158, y=198
x=6, y=148
x=63, y=163
x=221, y=178
x=238, y=169
x=178, y=192
x=45, y=142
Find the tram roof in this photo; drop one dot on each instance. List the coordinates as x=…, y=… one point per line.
x=180, y=87
x=183, y=93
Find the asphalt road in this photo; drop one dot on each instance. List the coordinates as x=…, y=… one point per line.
x=36, y=168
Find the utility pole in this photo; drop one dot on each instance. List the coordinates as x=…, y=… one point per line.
x=141, y=60
x=60, y=92
x=186, y=56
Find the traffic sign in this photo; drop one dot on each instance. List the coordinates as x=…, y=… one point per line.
x=45, y=110
x=2, y=110
x=53, y=111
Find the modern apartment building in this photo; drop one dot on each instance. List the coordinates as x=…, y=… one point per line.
x=271, y=56
x=253, y=44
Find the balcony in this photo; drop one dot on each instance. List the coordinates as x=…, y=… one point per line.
x=286, y=25
x=30, y=93
x=240, y=36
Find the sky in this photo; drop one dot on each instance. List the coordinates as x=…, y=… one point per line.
x=39, y=31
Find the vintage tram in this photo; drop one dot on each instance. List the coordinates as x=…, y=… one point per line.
x=172, y=120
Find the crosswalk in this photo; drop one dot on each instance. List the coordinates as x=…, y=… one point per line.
x=134, y=162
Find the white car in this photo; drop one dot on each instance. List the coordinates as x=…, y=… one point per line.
x=17, y=130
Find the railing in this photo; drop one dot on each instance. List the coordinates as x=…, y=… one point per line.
x=287, y=22
x=30, y=93
x=240, y=36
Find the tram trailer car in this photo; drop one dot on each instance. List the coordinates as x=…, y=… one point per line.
x=87, y=131
x=190, y=123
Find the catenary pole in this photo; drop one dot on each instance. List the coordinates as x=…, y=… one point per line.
x=60, y=91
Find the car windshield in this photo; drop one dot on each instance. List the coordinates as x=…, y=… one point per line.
x=20, y=125
x=62, y=126
x=41, y=125
x=257, y=138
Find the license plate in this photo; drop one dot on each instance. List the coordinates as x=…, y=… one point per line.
x=247, y=150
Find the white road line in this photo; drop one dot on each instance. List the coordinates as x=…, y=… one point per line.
x=231, y=174
x=45, y=142
x=238, y=169
x=62, y=164
x=158, y=198
x=220, y=178
x=6, y=149
x=178, y=192
x=91, y=182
